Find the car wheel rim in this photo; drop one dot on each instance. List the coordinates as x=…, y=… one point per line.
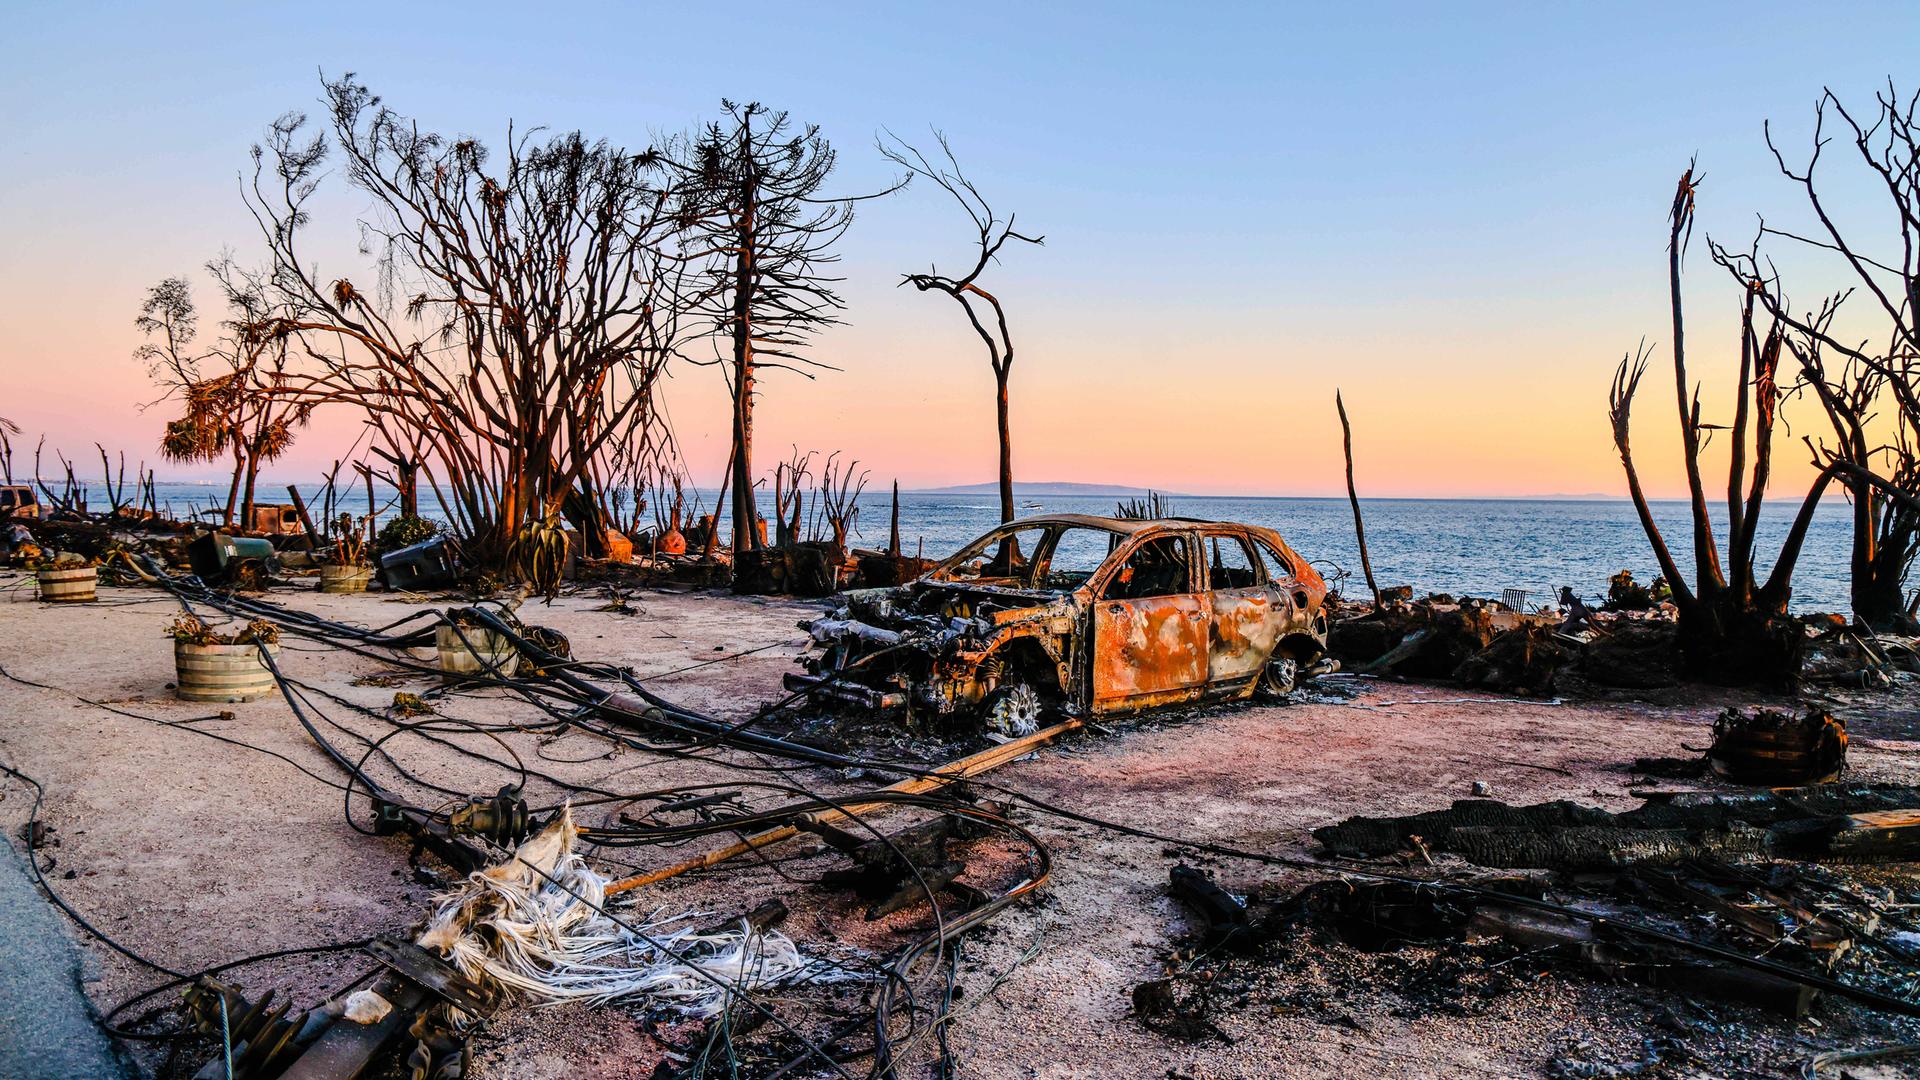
x=1281, y=674
x=1015, y=711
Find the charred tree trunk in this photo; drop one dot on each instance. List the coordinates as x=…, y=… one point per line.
x=1006, y=445
x=233, y=487
x=893, y=525
x=1732, y=630
x=1353, y=497
x=246, y=501
x=408, y=473
x=583, y=512
x=1739, y=645
x=745, y=537
x=1880, y=565
x=992, y=234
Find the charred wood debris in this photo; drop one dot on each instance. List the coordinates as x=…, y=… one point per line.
x=1779, y=889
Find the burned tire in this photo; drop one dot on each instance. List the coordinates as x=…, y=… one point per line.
x=1278, y=678
x=1014, y=710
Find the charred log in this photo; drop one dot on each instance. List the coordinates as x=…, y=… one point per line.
x=1840, y=823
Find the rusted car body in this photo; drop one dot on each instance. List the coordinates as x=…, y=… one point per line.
x=18, y=500
x=1088, y=615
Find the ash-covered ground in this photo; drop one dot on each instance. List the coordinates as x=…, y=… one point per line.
x=194, y=851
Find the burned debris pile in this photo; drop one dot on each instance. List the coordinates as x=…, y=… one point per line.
x=1630, y=642
x=1840, y=822
x=1742, y=905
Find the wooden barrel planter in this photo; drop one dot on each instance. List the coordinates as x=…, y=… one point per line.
x=338, y=578
x=71, y=586
x=222, y=672
x=1772, y=748
x=490, y=652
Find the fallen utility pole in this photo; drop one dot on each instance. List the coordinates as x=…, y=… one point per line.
x=958, y=769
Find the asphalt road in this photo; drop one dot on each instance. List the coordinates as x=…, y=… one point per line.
x=47, y=1029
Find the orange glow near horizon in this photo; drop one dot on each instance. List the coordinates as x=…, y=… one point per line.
x=1225, y=423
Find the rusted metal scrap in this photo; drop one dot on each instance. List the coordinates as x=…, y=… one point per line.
x=898, y=870
x=1083, y=615
x=340, y=1039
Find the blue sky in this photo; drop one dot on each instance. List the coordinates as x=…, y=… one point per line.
x=1452, y=213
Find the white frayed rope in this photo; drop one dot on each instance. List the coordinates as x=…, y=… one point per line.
x=534, y=924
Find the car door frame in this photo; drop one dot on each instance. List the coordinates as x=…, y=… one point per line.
x=1149, y=651
x=1244, y=623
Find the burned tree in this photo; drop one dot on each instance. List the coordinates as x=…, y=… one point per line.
x=523, y=306
x=8, y=429
x=1882, y=477
x=1353, y=499
x=229, y=390
x=1732, y=628
x=790, y=496
x=841, y=485
x=1873, y=367
x=762, y=234
x=991, y=234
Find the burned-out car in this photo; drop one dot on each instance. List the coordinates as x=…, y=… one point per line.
x=1087, y=615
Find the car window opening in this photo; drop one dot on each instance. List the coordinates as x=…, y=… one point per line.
x=1158, y=567
x=1230, y=566
x=1054, y=557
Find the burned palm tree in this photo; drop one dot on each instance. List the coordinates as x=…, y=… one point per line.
x=989, y=319
x=1733, y=628
x=229, y=390
x=790, y=495
x=1148, y=508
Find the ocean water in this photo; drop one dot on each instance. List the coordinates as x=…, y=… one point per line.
x=1474, y=547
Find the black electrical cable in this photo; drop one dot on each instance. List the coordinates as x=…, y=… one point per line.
x=183, y=725
x=356, y=772
x=106, y=1020
x=33, y=818
x=736, y=736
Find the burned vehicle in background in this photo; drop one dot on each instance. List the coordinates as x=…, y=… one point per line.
x=1085, y=615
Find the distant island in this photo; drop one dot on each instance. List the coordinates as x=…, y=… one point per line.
x=1043, y=487
x=1069, y=488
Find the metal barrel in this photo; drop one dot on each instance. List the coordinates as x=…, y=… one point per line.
x=493, y=652
x=335, y=578
x=68, y=586
x=221, y=672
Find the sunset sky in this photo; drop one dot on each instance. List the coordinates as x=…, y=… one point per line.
x=1454, y=213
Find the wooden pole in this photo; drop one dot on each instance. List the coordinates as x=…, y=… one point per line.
x=367, y=474
x=1353, y=497
x=300, y=504
x=959, y=769
x=893, y=528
